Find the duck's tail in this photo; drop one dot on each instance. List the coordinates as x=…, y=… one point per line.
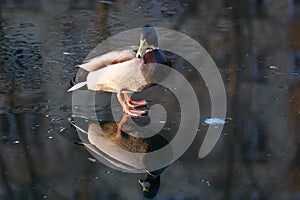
x=77, y=86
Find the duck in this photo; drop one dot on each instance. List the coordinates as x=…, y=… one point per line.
x=103, y=140
x=126, y=70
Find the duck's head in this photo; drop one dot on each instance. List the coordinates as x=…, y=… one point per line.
x=150, y=186
x=148, y=40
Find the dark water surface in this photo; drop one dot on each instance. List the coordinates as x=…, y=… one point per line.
x=256, y=46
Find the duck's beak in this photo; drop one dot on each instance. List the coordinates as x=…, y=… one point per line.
x=145, y=185
x=142, y=48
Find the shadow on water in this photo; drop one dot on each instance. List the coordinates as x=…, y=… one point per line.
x=255, y=45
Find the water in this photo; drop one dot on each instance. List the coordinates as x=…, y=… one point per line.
x=256, y=47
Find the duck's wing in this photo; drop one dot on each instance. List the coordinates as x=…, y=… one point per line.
x=77, y=86
x=113, y=57
x=124, y=76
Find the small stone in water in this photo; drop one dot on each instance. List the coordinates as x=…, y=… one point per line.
x=62, y=129
x=68, y=53
x=106, y=2
x=92, y=159
x=35, y=126
x=55, y=119
x=276, y=99
x=16, y=142
x=108, y=172
x=274, y=67
x=214, y=121
x=206, y=182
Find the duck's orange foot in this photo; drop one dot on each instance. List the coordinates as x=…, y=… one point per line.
x=128, y=105
x=132, y=112
x=134, y=104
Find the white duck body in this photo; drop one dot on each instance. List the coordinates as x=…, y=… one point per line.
x=121, y=76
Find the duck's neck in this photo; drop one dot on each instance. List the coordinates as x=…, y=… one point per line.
x=150, y=57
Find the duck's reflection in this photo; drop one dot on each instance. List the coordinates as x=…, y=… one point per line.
x=123, y=150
